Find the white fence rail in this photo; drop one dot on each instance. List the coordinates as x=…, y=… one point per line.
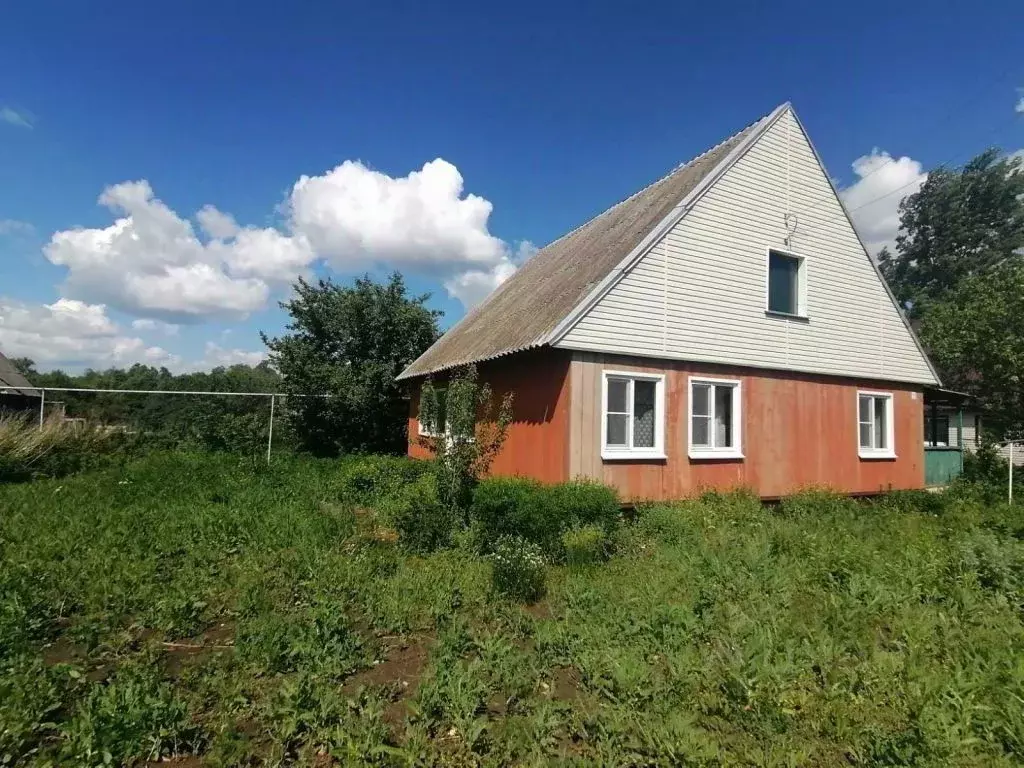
x=273, y=397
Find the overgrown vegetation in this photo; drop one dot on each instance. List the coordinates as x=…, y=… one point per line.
x=55, y=449
x=187, y=605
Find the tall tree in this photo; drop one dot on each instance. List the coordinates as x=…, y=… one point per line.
x=345, y=346
x=976, y=336
x=960, y=224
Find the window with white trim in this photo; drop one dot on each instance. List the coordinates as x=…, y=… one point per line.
x=787, y=284
x=875, y=425
x=715, y=419
x=633, y=416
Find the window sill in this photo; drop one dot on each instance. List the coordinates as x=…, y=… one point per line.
x=876, y=455
x=787, y=316
x=730, y=455
x=624, y=455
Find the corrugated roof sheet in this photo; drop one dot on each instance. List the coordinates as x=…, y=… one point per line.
x=9, y=377
x=527, y=307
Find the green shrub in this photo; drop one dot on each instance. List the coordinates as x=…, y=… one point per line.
x=366, y=480
x=517, y=569
x=914, y=502
x=133, y=717
x=815, y=502
x=423, y=523
x=585, y=545
x=539, y=513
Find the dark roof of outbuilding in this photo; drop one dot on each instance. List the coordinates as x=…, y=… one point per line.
x=525, y=310
x=10, y=377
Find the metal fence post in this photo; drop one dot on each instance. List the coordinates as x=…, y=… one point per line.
x=42, y=402
x=1010, y=491
x=270, y=431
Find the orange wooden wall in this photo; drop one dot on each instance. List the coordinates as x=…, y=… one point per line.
x=798, y=430
x=537, y=443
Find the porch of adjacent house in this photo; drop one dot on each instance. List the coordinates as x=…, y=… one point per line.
x=943, y=436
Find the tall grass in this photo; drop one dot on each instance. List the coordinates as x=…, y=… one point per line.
x=54, y=448
x=186, y=604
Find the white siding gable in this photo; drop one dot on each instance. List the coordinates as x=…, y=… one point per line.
x=700, y=292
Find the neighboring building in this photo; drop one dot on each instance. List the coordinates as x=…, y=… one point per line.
x=941, y=429
x=722, y=327
x=19, y=399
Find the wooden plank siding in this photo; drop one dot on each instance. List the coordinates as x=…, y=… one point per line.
x=537, y=445
x=798, y=430
x=700, y=292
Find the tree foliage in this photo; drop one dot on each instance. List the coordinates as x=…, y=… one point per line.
x=466, y=427
x=976, y=336
x=235, y=424
x=345, y=346
x=959, y=225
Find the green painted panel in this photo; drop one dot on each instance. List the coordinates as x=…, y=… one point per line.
x=941, y=465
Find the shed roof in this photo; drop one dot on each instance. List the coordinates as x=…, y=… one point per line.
x=10, y=377
x=528, y=307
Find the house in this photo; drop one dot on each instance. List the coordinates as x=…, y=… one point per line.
x=947, y=426
x=722, y=327
x=20, y=399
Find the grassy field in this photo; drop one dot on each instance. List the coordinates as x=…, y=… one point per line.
x=195, y=611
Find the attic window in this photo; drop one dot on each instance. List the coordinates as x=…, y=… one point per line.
x=787, y=284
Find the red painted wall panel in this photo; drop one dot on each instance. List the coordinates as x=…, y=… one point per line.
x=537, y=443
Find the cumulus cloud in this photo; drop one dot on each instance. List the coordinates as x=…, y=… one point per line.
x=16, y=117
x=215, y=355
x=74, y=334
x=155, y=263
x=874, y=199
x=354, y=216
x=150, y=260
x=1020, y=102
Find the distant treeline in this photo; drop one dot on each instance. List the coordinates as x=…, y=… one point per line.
x=203, y=421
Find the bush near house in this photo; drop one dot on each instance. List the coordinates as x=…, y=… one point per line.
x=186, y=609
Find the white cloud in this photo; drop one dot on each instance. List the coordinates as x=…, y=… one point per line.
x=13, y=227
x=154, y=263
x=150, y=260
x=16, y=117
x=354, y=216
x=874, y=199
x=1019, y=109
x=157, y=326
x=73, y=334
x=215, y=355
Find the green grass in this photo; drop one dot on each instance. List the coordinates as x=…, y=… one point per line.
x=187, y=605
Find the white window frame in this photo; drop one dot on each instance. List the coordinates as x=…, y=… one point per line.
x=889, y=452
x=424, y=432
x=801, y=283
x=618, y=453
x=734, y=451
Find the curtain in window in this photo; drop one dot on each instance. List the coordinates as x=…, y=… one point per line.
x=723, y=417
x=643, y=414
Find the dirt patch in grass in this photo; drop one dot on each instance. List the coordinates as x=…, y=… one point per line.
x=539, y=610
x=184, y=761
x=399, y=671
x=565, y=684
x=180, y=656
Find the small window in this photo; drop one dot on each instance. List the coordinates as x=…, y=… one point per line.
x=633, y=418
x=936, y=431
x=875, y=425
x=715, y=418
x=786, y=284
x=442, y=415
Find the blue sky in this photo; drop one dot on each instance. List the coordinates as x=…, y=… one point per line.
x=541, y=115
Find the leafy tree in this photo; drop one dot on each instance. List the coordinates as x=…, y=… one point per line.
x=466, y=429
x=976, y=336
x=345, y=347
x=960, y=224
